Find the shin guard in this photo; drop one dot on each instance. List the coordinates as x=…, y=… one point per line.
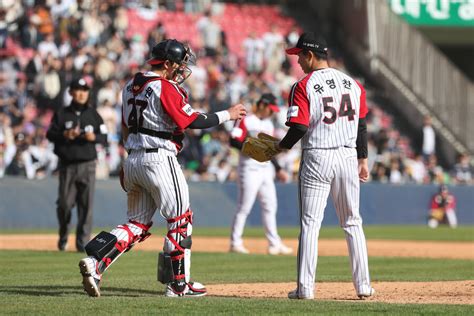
x=165, y=268
x=107, y=247
x=181, y=255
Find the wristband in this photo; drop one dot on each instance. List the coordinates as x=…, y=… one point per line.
x=223, y=116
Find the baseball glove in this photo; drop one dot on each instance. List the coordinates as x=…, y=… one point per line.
x=437, y=214
x=262, y=149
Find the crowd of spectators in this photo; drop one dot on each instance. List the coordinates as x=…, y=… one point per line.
x=46, y=44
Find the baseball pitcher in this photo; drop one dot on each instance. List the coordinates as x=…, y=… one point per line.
x=327, y=110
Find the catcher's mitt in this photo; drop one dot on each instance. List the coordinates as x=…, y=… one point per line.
x=262, y=149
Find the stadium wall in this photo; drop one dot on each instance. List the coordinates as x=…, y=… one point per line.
x=32, y=204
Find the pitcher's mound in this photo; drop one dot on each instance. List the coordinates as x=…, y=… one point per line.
x=446, y=292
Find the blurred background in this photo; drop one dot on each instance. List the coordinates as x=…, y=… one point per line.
x=414, y=58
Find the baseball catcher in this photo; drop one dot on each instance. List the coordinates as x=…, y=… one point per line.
x=155, y=113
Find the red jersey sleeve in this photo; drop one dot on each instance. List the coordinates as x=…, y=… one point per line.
x=434, y=201
x=239, y=133
x=298, y=104
x=363, y=102
x=175, y=103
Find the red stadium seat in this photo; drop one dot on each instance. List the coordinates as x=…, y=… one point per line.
x=237, y=21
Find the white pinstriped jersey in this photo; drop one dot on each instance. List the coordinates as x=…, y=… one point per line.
x=330, y=103
x=255, y=181
x=251, y=125
x=154, y=104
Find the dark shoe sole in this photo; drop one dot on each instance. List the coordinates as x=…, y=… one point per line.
x=189, y=295
x=62, y=246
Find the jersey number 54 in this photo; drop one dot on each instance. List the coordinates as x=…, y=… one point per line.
x=345, y=109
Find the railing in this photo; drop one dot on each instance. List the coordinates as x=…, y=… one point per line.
x=422, y=74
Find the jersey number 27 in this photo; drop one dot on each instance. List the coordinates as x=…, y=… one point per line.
x=138, y=106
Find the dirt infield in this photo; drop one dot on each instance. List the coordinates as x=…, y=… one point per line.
x=327, y=247
x=446, y=292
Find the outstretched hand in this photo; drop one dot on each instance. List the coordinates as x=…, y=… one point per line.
x=237, y=111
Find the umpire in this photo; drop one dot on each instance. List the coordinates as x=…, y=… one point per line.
x=75, y=130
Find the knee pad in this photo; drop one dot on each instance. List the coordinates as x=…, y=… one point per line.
x=104, y=248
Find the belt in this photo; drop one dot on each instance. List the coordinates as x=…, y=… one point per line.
x=147, y=150
x=151, y=150
x=329, y=148
x=150, y=132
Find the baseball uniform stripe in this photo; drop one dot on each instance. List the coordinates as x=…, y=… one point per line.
x=177, y=195
x=300, y=207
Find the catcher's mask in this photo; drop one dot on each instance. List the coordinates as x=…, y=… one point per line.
x=175, y=52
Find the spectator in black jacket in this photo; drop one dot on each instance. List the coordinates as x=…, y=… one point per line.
x=75, y=130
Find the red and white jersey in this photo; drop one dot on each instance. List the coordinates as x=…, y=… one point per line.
x=251, y=125
x=155, y=104
x=330, y=104
x=447, y=203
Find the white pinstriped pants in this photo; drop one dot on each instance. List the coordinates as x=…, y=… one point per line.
x=256, y=182
x=155, y=181
x=334, y=171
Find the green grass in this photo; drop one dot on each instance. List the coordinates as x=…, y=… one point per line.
x=407, y=232
x=463, y=233
x=151, y=303
x=47, y=283
x=234, y=268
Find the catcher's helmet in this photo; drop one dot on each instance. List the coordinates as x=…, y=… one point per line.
x=176, y=52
